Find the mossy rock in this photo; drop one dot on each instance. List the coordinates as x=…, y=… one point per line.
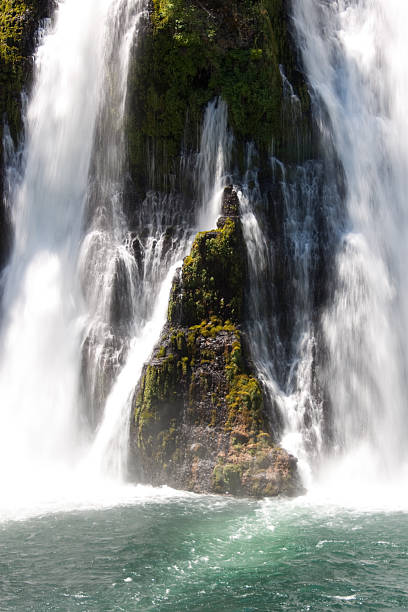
x=200, y=415
x=19, y=20
x=193, y=51
x=256, y=470
x=212, y=278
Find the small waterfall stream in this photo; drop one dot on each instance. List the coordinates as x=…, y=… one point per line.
x=282, y=325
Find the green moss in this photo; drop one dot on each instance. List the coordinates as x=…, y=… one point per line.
x=212, y=281
x=244, y=399
x=158, y=385
x=18, y=21
x=227, y=478
x=195, y=51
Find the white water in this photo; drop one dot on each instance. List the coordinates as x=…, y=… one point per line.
x=285, y=365
x=77, y=304
x=110, y=449
x=43, y=310
x=354, y=52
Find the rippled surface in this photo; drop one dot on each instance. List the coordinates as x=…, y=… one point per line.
x=206, y=553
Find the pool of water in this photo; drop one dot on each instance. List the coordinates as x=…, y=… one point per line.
x=185, y=552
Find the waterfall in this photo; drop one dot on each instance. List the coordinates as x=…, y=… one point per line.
x=46, y=313
x=85, y=298
x=42, y=306
x=159, y=254
x=354, y=52
x=107, y=266
x=283, y=266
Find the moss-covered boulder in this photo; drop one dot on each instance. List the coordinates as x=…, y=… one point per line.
x=200, y=415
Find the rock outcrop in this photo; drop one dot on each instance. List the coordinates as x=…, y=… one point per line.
x=200, y=417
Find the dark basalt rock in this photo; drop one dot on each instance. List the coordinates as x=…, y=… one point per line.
x=200, y=418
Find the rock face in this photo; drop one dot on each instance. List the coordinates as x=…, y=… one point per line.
x=200, y=419
x=194, y=51
x=19, y=20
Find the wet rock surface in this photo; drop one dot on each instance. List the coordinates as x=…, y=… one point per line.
x=200, y=414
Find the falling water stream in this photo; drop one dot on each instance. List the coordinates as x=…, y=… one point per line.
x=44, y=312
x=85, y=299
x=353, y=53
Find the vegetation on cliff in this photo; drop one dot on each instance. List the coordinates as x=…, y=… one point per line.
x=18, y=22
x=193, y=51
x=213, y=275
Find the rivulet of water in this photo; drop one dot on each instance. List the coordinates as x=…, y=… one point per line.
x=281, y=325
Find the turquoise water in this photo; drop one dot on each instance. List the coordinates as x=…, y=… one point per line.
x=206, y=553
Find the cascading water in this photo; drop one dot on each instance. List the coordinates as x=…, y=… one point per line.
x=162, y=238
x=85, y=299
x=107, y=267
x=43, y=308
x=354, y=54
x=283, y=274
